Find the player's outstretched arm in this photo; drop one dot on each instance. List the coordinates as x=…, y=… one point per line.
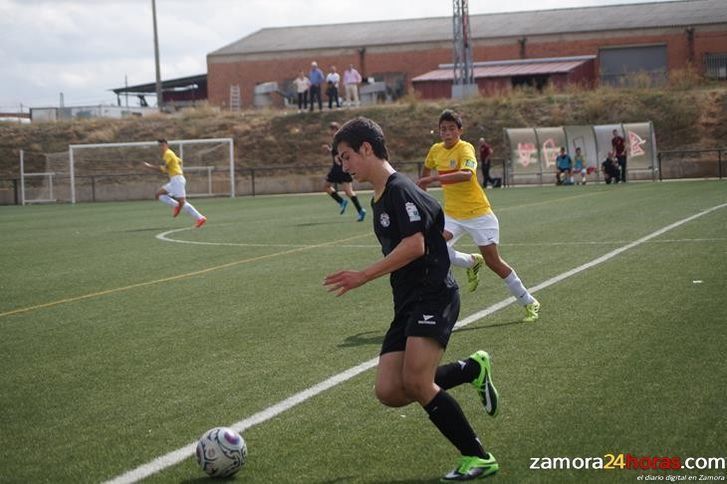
x=454, y=177
x=154, y=167
x=426, y=178
x=408, y=250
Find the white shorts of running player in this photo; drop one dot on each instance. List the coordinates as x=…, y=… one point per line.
x=176, y=187
x=484, y=230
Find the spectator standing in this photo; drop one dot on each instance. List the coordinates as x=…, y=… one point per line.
x=333, y=79
x=316, y=78
x=619, y=149
x=485, y=152
x=351, y=80
x=302, y=85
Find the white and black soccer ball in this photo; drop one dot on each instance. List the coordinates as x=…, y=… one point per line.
x=221, y=452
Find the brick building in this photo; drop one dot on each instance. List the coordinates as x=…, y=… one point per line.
x=623, y=40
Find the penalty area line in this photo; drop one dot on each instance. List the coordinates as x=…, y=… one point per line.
x=177, y=456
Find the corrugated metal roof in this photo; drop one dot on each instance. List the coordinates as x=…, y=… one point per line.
x=168, y=84
x=507, y=69
x=484, y=26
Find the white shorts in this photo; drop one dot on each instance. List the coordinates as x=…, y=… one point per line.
x=484, y=230
x=175, y=187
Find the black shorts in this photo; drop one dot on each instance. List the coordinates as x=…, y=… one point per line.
x=431, y=318
x=337, y=175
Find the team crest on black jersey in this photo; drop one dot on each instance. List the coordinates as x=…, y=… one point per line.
x=412, y=211
x=384, y=219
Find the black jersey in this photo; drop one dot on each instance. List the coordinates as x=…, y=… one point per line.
x=336, y=173
x=403, y=210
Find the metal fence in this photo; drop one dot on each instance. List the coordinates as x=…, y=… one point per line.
x=309, y=179
x=691, y=163
x=715, y=66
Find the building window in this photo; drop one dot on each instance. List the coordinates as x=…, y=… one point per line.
x=715, y=66
x=625, y=66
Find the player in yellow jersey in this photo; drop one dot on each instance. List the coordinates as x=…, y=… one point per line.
x=174, y=193
x=453, y=164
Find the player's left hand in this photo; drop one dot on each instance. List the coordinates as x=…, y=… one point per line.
x=343, y=281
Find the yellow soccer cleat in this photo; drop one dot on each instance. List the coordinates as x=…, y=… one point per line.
x=473, y=273
x=531, y=312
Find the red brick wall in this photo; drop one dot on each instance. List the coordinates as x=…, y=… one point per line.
x=708, y=43
x=249, y=73
x=416, y=60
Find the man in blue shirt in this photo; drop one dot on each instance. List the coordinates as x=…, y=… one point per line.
x=316, y=77
x=565, y=165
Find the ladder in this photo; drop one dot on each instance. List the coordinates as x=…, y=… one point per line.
x=235, y=97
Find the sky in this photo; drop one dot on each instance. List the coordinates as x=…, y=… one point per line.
x=84, y=48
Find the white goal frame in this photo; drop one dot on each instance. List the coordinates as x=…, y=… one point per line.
x=23, y=175
x=173, y=143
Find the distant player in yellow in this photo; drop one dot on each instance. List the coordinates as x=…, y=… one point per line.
x=174, y=193
x=467, y=209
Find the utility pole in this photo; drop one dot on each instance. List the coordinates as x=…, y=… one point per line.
x=464, y=79
x=160, y=102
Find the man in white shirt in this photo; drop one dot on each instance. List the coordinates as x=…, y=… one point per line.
x=332, y=80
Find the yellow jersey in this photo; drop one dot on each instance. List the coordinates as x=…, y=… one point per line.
x=172, y=163
x=462, y=200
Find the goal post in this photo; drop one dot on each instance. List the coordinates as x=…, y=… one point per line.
x=43, y=177
x=112, y=171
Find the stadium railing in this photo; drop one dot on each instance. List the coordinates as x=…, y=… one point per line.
x=706, y=163
x=674, y=164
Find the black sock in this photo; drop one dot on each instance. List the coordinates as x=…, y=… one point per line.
x=336, y=197
x=354, y=199
x=446, y=414
x=453, y=374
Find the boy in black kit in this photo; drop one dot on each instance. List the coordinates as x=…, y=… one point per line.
x=408, y=224
x=337, y=176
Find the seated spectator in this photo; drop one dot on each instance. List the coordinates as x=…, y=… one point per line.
x=610, y=169
x=564, y=164
x=580, y=166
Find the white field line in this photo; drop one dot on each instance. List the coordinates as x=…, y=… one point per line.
x=164, y=236
x=176, y=456
x=559, y=244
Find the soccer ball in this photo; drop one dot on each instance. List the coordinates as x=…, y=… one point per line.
x=221, y=452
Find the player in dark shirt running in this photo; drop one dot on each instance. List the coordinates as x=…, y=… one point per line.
x=336, y=176
x=408, y=224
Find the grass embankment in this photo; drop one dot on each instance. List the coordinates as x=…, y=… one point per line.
x=695, y=118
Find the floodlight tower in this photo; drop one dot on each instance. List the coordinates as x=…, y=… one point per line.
x=464, y=78
x=160, y=101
